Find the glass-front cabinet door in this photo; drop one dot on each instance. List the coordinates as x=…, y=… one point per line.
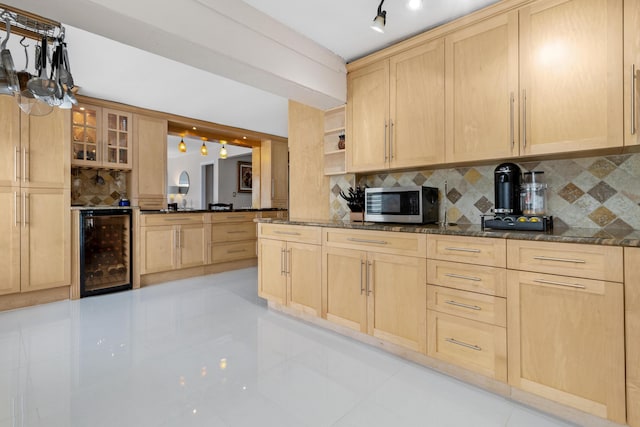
x=85, y=134
x=117, y=137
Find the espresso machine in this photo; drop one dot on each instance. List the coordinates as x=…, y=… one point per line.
x=519, y=204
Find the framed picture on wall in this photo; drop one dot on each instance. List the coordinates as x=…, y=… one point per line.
x=245, y=177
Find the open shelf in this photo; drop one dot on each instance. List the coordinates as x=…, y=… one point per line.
x=334, y=126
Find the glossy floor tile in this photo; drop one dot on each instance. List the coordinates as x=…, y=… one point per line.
x=207, y=352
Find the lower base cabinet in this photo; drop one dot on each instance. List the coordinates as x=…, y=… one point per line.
x=566, y=341
x=379, y=294
x=632, y=325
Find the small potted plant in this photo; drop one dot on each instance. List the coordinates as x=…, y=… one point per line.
x=355, y=202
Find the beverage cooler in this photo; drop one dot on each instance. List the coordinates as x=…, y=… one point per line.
x=105, y=251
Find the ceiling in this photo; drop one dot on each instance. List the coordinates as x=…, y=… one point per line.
x=227, y=61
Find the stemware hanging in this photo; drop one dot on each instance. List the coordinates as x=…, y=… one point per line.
x=9, y=84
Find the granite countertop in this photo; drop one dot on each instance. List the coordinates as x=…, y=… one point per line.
x=188, y=211
x=596, y=236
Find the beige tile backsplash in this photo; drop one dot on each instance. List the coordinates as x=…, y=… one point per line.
x=85, y=191
x=592, y=192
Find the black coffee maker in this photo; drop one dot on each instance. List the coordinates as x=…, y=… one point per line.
x=507, y=177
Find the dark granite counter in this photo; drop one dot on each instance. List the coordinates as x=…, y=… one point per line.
x=188, y=211
x=629, y=238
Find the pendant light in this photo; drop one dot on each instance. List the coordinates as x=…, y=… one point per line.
x=223, y=151
x=182, y=147
x=380, y=20
x=203, y=149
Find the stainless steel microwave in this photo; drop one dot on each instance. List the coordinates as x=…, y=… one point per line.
x=413, y=205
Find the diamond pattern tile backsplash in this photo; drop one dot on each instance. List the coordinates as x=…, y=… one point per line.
x=85, y=190
x=592, y=192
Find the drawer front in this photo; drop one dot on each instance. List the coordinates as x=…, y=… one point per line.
x=483, y=308
x=232, y=251
x=273, y=214
x=472, y=250
x=398, y=243
x=468, y=277
x=232, y=216
x=472, y=345
x=170, y=219
x=567, y=259
x=292, y=233
x=233, y=232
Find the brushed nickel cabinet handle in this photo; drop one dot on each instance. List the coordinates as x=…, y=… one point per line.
x=475, y=251
x=511, y=124
x=385, y=141
x=237, y=232
x=16, y=154
x=524, y=118
x=369, y=276
x=361, y=277
x=460, y=276
x=281, y=261
x=15, y=208
x=287, y=233
x=459, y=304
x=175, y=219
x=24, y=165
x=391, y=140
x=288, y=266
x=552, y=282
x=26, y=212
x=236, y=251
x=546, y=258
x=633, y=99
x=463, y=344
x=375, y=242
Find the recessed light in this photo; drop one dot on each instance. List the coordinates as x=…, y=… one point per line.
x=244, y=137
x=194, y=128
x=414, y=4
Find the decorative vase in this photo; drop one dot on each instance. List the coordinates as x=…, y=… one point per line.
x=341, y=142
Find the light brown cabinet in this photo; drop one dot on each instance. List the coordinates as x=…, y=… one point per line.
x=632, y=325
x=566, y=332
x=233, y=236
x=274, y=174
x=395, y=111
x=289, y=266
x=34, y=187
x=102, y=137
x=172, y=241
x=149, y=176
x=631, y=73
x=373, y=292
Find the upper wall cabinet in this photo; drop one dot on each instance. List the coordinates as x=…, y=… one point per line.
x=482, y=90
x=570, y=75
x=101, y=138
x=631, y=71
x=395, y=111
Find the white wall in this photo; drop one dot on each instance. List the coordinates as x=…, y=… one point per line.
x=228, y=182
x=192, y=162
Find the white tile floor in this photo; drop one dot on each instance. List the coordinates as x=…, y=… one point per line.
x=207, y=352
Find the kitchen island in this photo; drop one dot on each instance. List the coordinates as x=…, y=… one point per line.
x=536, y=317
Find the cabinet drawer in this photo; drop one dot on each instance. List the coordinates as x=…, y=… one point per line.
x=484, y=308
x=232, y=216
x=170, y=219
x=397, y=243
x=232, y=251
x=468, y=277
x=472, y=250
x=273, y=214
x=472, y=345
x=567, y=259
x=292, y=233
x=233, y=232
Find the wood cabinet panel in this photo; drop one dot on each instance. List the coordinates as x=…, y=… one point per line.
x=567, y=259
x=10, y=148
x=304, y=285
x=471, y=250
x=291, y=233
x=631, y=72
x=570, y=74
x=566, y=341
x=272, y=281
x=149, y=176
x=158, y=248
x=232, y=251
x=470, y=305
x=226, y=217
x=10, y=223
x=410, y=244
x=193, y=245
x=632, y=333
x=233, y=232
x=482, y=90
x=476, y=346
x=468, y=277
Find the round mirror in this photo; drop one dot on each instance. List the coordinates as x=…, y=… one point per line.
x=183, y=183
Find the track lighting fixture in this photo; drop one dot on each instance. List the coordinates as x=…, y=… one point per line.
x=380, y=20
x=182, y=147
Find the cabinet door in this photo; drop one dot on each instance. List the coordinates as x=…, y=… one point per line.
x=279, y=174
x=416, y=135
x=482, y=90
x=631, y=72
x=85, y=136
x=304, y=272
x=9, y=142
x=271, y=271
x=45, y=149
x=10, y=223
x=566, y=341
x=45, y=239
x=149, y=177
x=367, y=118
x=397, y=306
x=158, y=246
x=344, y=283
x=116, y=137
x=193, y=244
x=570, y=71
x=632, y=325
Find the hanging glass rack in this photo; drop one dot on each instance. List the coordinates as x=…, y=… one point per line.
x=30, y=25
